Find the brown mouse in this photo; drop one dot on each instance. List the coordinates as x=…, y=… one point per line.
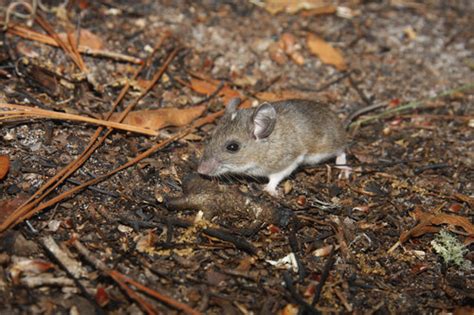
x=273, y=139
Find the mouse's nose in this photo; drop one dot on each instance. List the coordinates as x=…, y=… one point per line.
x=207, y=167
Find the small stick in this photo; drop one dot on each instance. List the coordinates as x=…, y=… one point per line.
x=295, y=248
x=122, y=280
x=324, y=276
x=239, y=242
x=437, y=166
x=359, y=91
x=340, y=78
x=309, y=309
x=212, y=95
x=72, y=267
x=439, y=117
x=92, y=188
x=343, y=299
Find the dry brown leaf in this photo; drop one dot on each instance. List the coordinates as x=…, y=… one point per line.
x=7, y=207
x=203, y=87
x=4, y=165
x=465, y=198
x=159, y=118
x=428, y=224
x=226, y=93
x=86, y=39
x=293, y=6
x=327, y=53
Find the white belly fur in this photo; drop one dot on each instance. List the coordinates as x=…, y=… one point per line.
x=276, y=178
x=317, y=158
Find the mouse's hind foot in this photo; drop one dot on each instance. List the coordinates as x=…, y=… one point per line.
x=341, y=163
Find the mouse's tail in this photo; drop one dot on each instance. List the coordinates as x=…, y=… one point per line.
x=348, y=121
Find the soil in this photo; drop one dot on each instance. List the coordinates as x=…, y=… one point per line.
x=340, y=235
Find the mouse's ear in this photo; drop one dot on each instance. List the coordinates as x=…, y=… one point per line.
x=264, y=119
x=232, y=105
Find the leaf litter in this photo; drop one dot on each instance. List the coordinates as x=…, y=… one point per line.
x=405, y=156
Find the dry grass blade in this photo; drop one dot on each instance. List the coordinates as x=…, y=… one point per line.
x=30, y=34
x=21, y=111
x=67, y=48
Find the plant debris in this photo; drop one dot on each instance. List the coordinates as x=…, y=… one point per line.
x=452, y=251
x=105, y=108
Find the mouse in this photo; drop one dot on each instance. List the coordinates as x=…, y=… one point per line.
x=272, y=140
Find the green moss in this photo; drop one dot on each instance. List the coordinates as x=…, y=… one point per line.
x=452, y=250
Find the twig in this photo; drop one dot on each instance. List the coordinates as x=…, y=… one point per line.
x=92, y=188
x=338, y=226
x=123, y=280
x=40, y=281
x=437, y=166
x=166, y=299
x=340, y=78
x=72, y=267
x=309, y=309
x=295, y=248
x=239, y=242
x=439, y=117
x=212, y=95
x=324, y=277
x=102, y=267
x=359, y=91
x=343, y=299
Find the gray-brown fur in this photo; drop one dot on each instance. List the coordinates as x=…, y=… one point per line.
x=301, y=127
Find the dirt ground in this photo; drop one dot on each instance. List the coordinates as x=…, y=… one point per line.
x=132, y=243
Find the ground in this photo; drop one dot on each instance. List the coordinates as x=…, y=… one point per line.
x=363, y=244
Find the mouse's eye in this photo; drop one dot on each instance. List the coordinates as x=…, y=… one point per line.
x=232, y=146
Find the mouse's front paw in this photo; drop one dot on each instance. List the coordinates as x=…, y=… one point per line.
x=271, y=190
x=341, y=164
x=346, y=172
